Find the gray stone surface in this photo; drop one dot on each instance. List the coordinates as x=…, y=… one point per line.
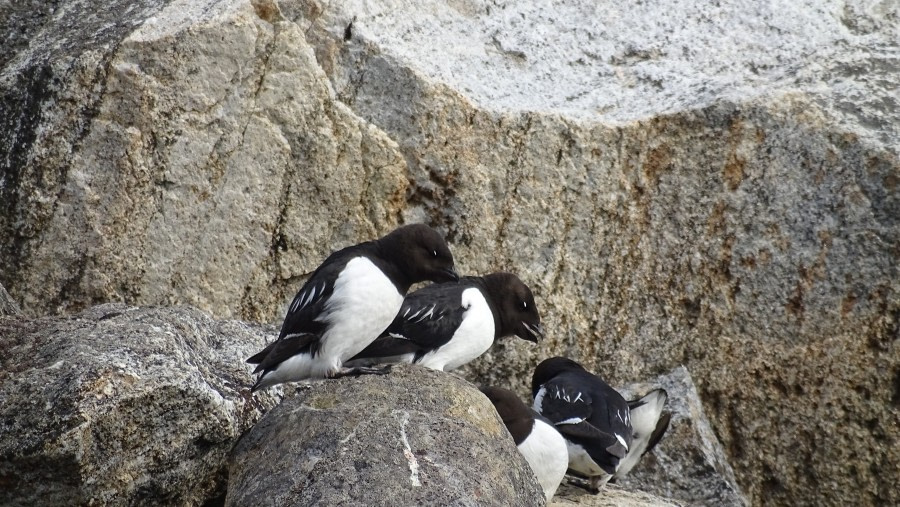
x=680, y=184
x=714, y=186
x=413, y=437
x=123, y=406
x=8, y=306
x=689, y=464
x=189, y=152
x=611, y=496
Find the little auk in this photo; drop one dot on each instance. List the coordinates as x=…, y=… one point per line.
x=591, y=415
x=348, y=301
x=535, y=436
x=446, y=325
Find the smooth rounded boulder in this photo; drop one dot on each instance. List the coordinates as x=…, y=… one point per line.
x=412, y=437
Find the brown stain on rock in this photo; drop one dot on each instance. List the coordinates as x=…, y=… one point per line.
x=716, y=220
x=848, y=303
x=266, y=10
x=733, y=172
x=658, y=160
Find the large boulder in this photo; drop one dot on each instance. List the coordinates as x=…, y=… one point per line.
x=714, y=186
x=189, y=152
x=123, y=406
x=689, y=464
x=413, y=437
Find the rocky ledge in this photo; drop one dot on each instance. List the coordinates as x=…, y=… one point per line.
x=122, y=405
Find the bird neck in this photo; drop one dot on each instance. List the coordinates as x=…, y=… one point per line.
x=392, y=263
x=493, y=291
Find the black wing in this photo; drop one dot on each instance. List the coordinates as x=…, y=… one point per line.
x=583, y=418
x=565, y=402
x=282, y=349
x=310, y=301
x=427, y=320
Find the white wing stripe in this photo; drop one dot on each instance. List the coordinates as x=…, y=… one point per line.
x=621, y=441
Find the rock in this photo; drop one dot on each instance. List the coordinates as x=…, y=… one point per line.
x=689, y=464
x=190, y=152
x=679, y=184
x=713, y=186
x=121, y=405
x=8, y=307
x=611, y=496
x=413, y=437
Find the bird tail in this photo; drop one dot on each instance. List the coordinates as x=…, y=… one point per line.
x=649, y=423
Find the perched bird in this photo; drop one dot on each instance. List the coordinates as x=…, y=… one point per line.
x=535, y=436
x=591, y=415
x=348, y=301
x=648, y=424
x=444, y=326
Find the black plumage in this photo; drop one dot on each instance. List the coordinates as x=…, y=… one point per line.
x=372, y=278
x=590, y=414
x=433, y=317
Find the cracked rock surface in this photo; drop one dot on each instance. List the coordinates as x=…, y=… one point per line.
x=123, y=406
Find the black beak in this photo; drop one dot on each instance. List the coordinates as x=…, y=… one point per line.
x=535, y=332
x=447, y=275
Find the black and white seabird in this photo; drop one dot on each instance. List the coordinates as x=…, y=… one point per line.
x=535, y=436
x=444, y=326
x=591, y=415
x=348, y=301
x=648, y=424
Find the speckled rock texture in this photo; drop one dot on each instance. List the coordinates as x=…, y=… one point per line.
x=8, y=306
x=679, y=183
x=123, y=406
x=689, y=465
x=189, y=152
x=611, y=496
x=413, y=437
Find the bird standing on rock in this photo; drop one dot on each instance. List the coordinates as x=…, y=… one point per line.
x=348, y=301
x=535, y=436
x=591, y=415
x=444, y=326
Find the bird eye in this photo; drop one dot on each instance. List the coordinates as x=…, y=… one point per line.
x=525, y=304
x=434, y=253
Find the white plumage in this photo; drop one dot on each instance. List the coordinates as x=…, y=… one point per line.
x=473, y=337
x=352, y=318
x=545, y=450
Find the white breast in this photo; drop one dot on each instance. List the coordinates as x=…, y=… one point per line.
x=546, y=452
x=363, y=304
x=473, y=337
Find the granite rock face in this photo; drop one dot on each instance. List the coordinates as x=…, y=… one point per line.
x=679, y=184
x=187, y=152
x=123, y=406
x=413, y=437
x=689, y=464
x=714, y=186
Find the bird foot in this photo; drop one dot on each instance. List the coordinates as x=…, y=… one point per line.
x=361, y=370
x=587, y=485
